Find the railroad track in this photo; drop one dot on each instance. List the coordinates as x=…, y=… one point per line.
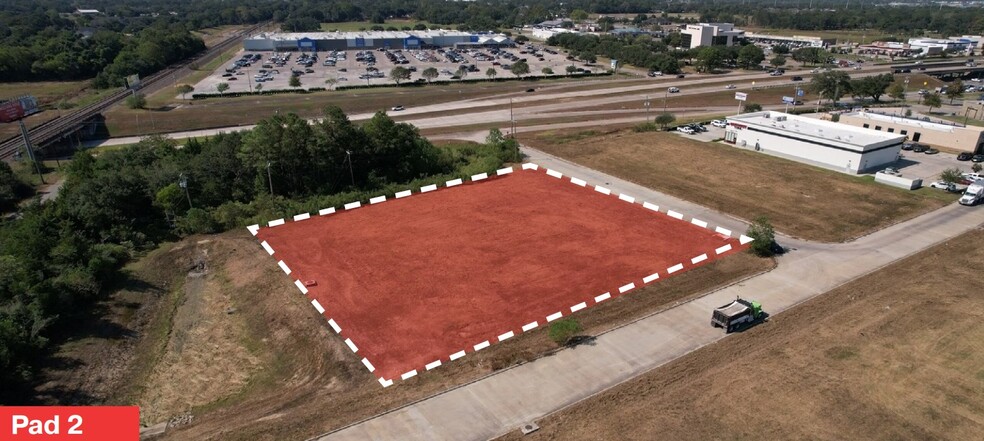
x=53, y=130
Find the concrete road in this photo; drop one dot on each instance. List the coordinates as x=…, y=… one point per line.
x=504, y=401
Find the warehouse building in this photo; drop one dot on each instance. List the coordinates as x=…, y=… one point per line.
x=795, y=42
x=340, y=41
x=938, y=133
x=816, y=142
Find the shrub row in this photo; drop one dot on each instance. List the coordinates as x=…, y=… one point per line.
x=200, y=96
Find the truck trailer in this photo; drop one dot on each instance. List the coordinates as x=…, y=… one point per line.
x=736, y=314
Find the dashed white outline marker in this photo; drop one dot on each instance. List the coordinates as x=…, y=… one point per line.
x=674, y=268
x=603, y=297
x=377, y=199
x=253, y=229
x=529, y=326
x=627, y=198
x=301, y=287
x=505, y=336
x=530, y=166
x=650, y=278
x=503, y=171
x=427, y=188
x=723, y=249
x=602, y=190
x=369, y=365
x=352, y=346
x=283, y=266
x=554, y=316
x=579, y=306
x=267, y=247
x=625, y=288
x=653, y=207
x=674, y=214
x=482, y=345
x=723, y=231
x=302, y=216
x=579, y=182
x=479, y=177
x=276, y=223
x=403, y=194
x=317, y=305
x=698, y=222
x=457, y=355
x=453, y=182
x=432, y=365
x=744, y=239
x=326, y=211
x=410, y=374
x=353, y=205
x=554, y=173
x=698, y=259
x=386, y=383
x=338, y=330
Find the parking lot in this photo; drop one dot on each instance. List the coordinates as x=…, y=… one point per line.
x=272, y=70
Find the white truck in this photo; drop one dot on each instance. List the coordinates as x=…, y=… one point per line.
x=973, y=194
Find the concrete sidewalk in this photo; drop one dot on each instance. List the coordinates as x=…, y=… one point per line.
x=502, y=402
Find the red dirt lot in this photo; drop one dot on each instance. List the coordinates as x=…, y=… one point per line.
x=411, y=281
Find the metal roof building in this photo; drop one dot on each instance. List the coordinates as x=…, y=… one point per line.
x=816, y=142
x=321, y=41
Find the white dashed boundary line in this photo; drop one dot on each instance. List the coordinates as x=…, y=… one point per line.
x=254, y=229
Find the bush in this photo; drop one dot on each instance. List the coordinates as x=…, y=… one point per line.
x=136, y=101
x=561, y=331
x=646, y=127
x=764, y=237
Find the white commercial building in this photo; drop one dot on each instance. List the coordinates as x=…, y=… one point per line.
x=710, y=34
x=323, y=41
x=796, y=41
x=816, y=142
x=932, y=46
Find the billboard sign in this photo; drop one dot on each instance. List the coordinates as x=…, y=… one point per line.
x=11, y=111
x=614, y=64
x=18, y=108
x=133, y=81
x=799, y=92
x=741, y=96
x=788, y=99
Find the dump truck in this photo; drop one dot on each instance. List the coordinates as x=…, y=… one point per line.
x=735, y=314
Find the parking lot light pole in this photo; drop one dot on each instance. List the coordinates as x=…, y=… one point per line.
x=905, y=91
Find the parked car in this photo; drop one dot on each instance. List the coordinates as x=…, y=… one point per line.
x=719, y=123
x=697, y=127
x=947, y=186
x=907, y=146
x=978, y=158
x=673, y=90
x=919, y=148
x=965, y=156
x=931, y=151
x=892, y=171
x=397, y=108
x=685, y=129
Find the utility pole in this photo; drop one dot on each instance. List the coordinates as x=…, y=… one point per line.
x=270, y=177
x=647, y=109
x=183, y=183
x=351, y=171
x=30, y=149
x=905, y=91
x=512, y=121
x=665, y=93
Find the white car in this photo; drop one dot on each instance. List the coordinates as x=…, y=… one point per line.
x=673, y=90
x=730, y=86
x=943, y=186
x=685, y=129
x=397, y=108
x=719, y=123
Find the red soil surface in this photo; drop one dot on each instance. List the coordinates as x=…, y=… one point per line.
x=417, y=279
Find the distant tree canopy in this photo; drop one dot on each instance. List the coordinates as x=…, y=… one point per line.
x=56, y=259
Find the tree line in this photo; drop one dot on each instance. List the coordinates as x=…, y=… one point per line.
x=59, y=257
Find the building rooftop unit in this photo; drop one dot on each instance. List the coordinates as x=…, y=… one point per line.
x=799, y=127
x=292, y=36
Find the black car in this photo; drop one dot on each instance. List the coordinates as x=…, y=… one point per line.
x=530, y=90
x=697, y=127
x=919, y=148
x=978, y=158
x=797, y=78
x=681, y=76
x=965, y=156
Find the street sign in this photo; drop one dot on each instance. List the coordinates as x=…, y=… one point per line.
x=741, y=96
x=614, y=64
x=788, y=99
x=799, y=92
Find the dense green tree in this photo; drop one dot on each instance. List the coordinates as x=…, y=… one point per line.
x=831, y=85
x=520, y=68
x=750, y=56
x=430, y=73
x=399, y=74
x=932, y=100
